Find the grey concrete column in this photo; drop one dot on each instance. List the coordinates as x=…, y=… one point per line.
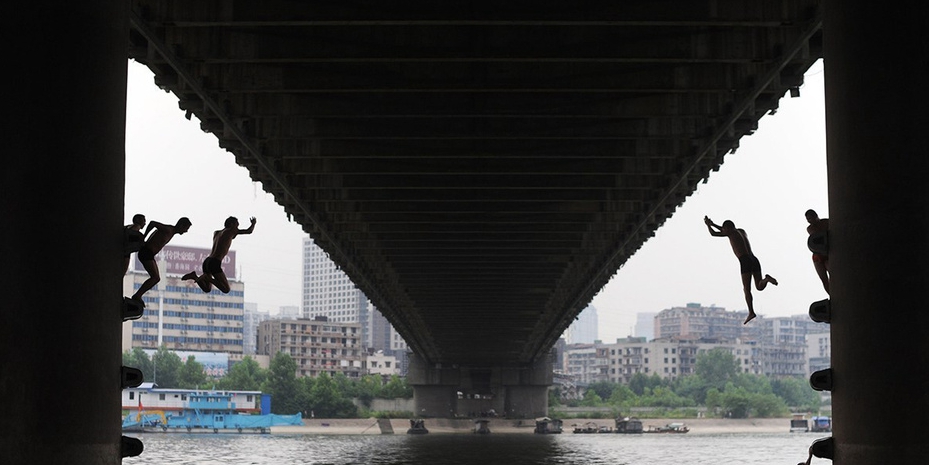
x=63, y=181
x=876, y=63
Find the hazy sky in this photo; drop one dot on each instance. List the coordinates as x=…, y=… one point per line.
x=174, y=169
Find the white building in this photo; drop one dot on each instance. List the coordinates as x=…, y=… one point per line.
x=585, y=327
x=329, y=292
x=252, y=319
x=382, y=364
x=645, y=325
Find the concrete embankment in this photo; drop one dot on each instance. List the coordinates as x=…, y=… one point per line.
x=497, y=425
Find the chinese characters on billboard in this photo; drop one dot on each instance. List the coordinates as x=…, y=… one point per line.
x=182, y=260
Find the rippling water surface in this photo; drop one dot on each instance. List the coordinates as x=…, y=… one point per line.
x=449, y=449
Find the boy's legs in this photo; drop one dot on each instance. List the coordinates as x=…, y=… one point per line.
x=747, y=289
x=153, y=278
x=219, y=279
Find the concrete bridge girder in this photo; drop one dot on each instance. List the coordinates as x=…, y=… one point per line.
x=446, y=391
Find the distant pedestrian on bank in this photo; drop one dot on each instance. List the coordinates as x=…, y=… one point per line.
x=213, y=274
x=162, y=235
x=820, y=261
x=749, y=265
x=133, y=238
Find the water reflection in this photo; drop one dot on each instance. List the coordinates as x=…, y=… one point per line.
x=454, y=449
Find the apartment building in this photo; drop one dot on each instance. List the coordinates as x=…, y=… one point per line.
x=670, y=358
x=178, y=314
x=698, y=321
x=317, y=345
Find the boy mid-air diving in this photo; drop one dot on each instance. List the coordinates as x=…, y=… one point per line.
x=213, y=274
x=749, y=265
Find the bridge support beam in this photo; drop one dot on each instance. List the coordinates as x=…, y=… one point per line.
x=878, y=164
x=453, y=391
x=62, y=212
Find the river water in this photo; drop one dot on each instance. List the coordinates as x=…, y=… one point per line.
x=453, y=449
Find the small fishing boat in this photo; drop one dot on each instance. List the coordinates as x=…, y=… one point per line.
x=670, y=428
x=417, y=426
x=546, y=425
x=628, y=426
x=821, y=425
x=591, y=428
x=480, y=426
x=799, y=423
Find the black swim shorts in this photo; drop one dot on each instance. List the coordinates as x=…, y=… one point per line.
x=212, y=266
x=146, y=254
x=749, y=264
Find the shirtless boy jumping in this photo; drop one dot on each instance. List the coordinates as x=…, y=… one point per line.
x=213, y=274
x=162, y=235
x=749, y=264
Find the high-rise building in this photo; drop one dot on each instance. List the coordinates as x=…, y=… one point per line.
x=253, y=318
x=289, y=311
x=179, y=315
x=584, y=329
x=645, y=325
x=329, y=292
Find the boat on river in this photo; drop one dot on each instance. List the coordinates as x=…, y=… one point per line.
x=821, y=425
x=546, y=425
x=670, y=428
x=799, y=423
x=628, y=426
x=417, y=426
x=591, y=428
x=194, y=411
x=481, y=426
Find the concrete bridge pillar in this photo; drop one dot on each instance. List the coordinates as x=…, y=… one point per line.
x=876, y=63
x=63, y=182
x=450, y=391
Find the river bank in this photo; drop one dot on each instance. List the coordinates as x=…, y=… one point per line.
x=354, y=426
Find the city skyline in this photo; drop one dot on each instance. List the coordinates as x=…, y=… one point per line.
x=174, y=169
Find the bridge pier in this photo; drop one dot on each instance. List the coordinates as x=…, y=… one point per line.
x=448, y=391
x=62, y=213
x=876, y=60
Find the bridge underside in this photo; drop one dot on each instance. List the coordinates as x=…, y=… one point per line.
x=65, y=127
x=481, y=171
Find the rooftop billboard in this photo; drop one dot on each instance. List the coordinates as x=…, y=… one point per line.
x=183, y=260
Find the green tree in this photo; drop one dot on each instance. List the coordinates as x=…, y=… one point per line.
x=397, y=388
x=554, y=396
x=366, y=389
x=662, y=396
x=716, y=367
x=137, y=358
x=797, y=393
x=604, y=389
x=167, y=368
x=640, y=382
x=326, y=399
x=282, y=385
x=692, y=387
x=591, y=399
x=245, y=375
x=191, y=374
x=714, y=400
x=621, y=396
x=736, y=402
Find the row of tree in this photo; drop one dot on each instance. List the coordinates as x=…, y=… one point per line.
x=717, y=384
x=324, y=396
